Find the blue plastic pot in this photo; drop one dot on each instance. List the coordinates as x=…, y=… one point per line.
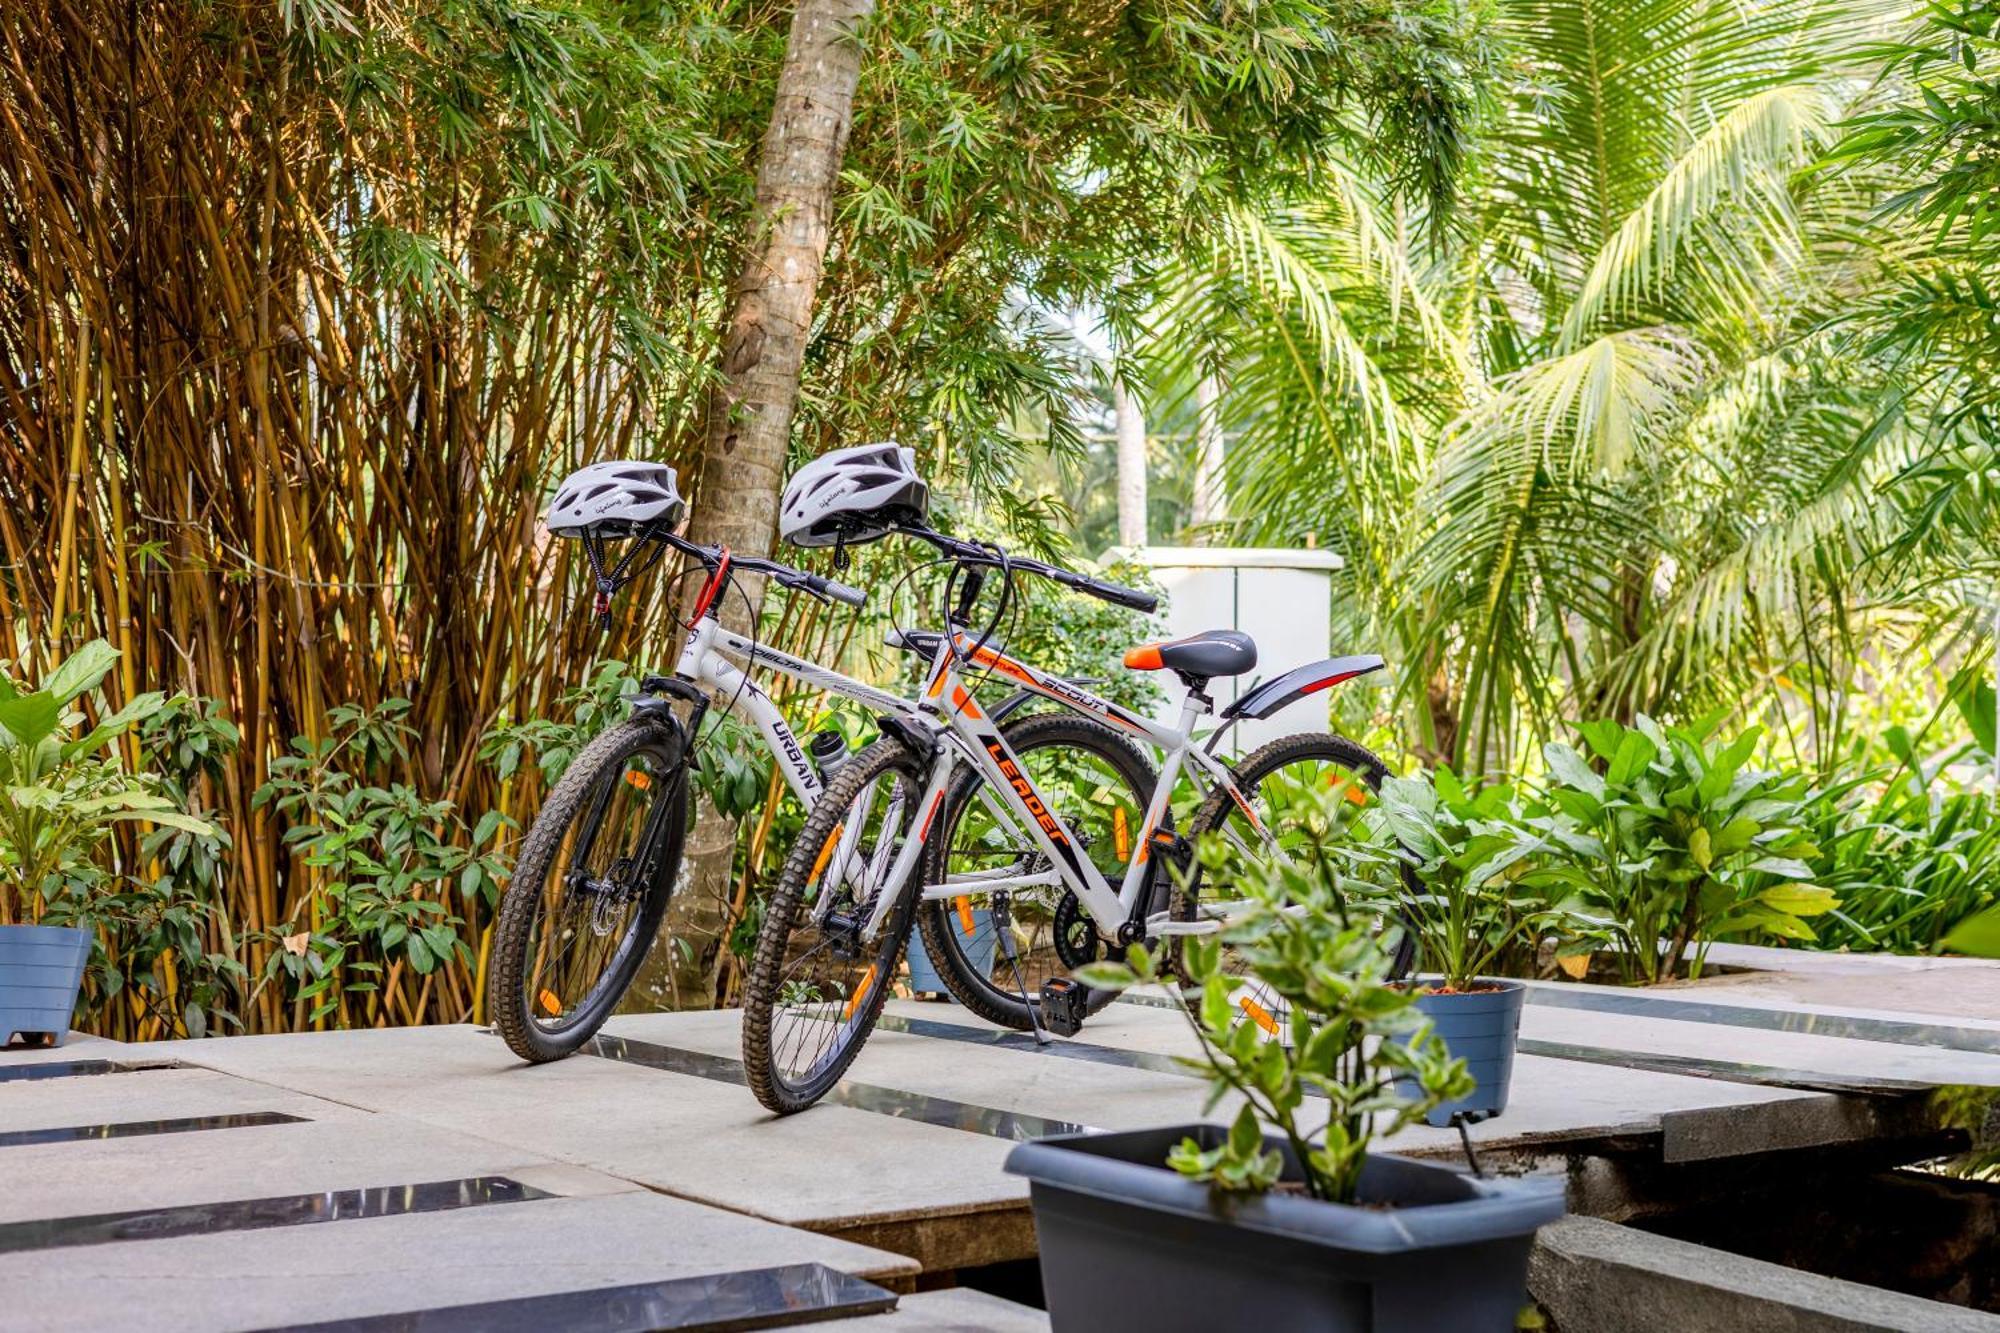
x=41, y=970
x=1479, y=1027
x=978, y=950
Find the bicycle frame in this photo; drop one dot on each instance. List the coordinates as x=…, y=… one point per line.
x=702, y=662
x=972, y=738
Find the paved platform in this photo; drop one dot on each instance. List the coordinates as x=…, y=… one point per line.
x=267, y=1182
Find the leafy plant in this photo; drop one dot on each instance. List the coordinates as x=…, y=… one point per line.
x=61, y=792
x=1477, y=904
x=383, y=860
x=1676, y=843
x=1319, y=955
x=156, y=967
x=1909, y=855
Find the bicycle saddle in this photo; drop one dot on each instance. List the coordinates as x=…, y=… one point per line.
x=1215, y=652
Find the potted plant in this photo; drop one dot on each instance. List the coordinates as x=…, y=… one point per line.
x=1285, y=1219
x=60, y=794
x=1474, y=905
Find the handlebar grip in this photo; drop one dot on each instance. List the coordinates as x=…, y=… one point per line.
x=840, y=592
x=1120, y=595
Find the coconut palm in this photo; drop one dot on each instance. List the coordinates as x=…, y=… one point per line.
x=1607, y=444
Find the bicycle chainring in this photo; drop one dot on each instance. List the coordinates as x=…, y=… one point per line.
x=1077, y=941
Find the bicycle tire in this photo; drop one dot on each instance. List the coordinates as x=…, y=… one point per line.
x=1249, y=775
x=943, y=945
x=771, y=1085
x=508, y=1002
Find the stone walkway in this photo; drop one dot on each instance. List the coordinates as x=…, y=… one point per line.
x=287, y=1182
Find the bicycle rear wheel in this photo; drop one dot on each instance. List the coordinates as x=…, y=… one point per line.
x=1282, y=784
x=590, y=888
x=817, y=984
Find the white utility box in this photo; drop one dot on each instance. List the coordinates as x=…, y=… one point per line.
x=1280, y=597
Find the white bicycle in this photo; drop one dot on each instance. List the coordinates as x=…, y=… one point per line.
x=1006, y=861
x=601, y=860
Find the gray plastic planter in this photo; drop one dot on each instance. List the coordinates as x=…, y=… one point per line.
x=1127, y=1243
x=979, y=951
x=1480, y=1028
x=41, y=968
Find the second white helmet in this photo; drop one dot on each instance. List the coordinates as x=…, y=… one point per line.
x=853, y=495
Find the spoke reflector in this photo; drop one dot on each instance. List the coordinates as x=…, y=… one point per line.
x=1121, y=832
x=1258, y=1014
x=826, y=853
x=551, y=1006
x=964, y=905
x=860, y=993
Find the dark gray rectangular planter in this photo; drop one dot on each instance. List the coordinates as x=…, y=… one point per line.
x=1481, y=1028
x=41, y=968
x=1127, y=1243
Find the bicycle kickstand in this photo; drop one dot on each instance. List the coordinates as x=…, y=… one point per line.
x=1002, y=924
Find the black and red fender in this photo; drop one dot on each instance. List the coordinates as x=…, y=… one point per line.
x=1297, y=683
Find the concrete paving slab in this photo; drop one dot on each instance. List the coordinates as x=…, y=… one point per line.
x=1964, y=992
x=930, y=1190
x=346, y=1149
x=1832, y=1057
x=1554, y=1101
x=914, y=1188
x=354, y=1269
x=1590, y=1274
x=154, y=1094
x=1818, y=962
x=954, y=1310
x=1902, y=1007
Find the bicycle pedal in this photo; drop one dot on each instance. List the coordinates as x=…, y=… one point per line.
x=1169, y=845
x=1065, y=1004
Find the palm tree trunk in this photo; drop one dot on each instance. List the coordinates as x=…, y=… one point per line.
x=750, y=420
x=1131, y=466
x=1210, y=501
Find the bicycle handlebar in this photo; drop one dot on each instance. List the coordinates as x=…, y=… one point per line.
x=787, y=576
x=971, y=553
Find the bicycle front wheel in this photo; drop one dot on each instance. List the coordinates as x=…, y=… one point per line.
x=819, y=978
x=589, y=890
x=1099, y=784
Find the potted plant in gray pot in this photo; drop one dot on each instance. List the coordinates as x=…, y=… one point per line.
x=1285, y=1219
x=62, y=788
x=1474, y=907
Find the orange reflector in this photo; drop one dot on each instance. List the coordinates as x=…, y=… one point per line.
x=860, y=993
x=1258, y=1014
x=638, y=780
x=1121, y=832
x=826, y=853
x=1354, y=792
x=964, y=906
x=551, y=1006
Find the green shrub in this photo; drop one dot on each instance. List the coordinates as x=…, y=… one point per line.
x=384, y=864
x=1909, y=856
x=1678, y=842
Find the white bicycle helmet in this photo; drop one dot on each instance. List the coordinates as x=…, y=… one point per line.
x=615, y=498
x=853, y=495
